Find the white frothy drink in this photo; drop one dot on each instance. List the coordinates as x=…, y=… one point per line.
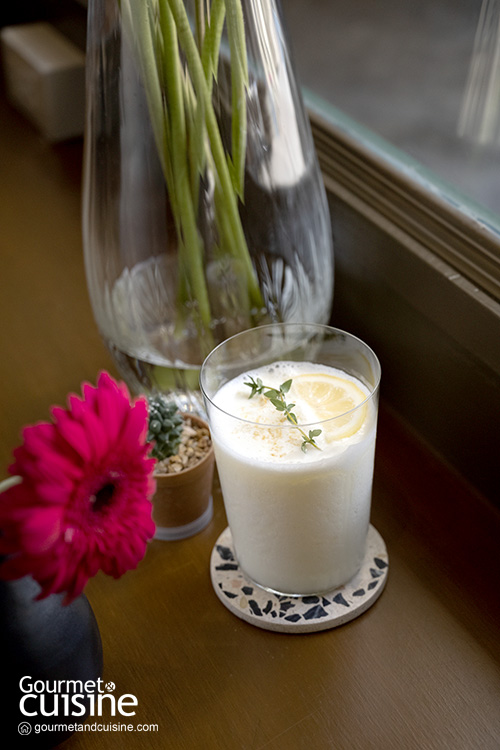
x=299, y=519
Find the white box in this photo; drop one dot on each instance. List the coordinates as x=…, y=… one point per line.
x=45, y=78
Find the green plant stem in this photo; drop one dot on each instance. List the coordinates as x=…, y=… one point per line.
x=183, y=118
x=211, y=42
x=139, y=28
x=137, y=25
x=239, y=85
x=199, y=82
x=194, y=107
x=199, y=22
x=190, y=237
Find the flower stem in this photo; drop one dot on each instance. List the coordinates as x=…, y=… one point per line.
x=203, y=92
x=239, y=84
x=137, y=27
x=190, y=238
x=211, y=42
x=184, y=123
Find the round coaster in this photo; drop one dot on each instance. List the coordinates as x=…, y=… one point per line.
x=303, y=614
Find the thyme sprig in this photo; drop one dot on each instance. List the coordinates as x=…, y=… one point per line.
x=277, y=396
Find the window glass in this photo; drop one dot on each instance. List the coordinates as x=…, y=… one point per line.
x=425, y=76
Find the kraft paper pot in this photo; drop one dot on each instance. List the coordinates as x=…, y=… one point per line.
x=182, y=504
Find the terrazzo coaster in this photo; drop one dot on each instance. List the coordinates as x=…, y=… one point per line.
x=303, y=614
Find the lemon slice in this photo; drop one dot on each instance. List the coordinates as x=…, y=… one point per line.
x=330, y=396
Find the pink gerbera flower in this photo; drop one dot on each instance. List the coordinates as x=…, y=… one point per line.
x=84, y=502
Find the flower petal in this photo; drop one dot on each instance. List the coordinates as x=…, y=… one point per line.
x=136, y=426
x=73, y=433
x=41, y=530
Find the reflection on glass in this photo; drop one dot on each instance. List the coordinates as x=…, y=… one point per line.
x=402, y=69
x=480, y=114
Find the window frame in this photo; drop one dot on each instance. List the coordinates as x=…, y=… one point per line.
x=448, y=243
x=417, y=276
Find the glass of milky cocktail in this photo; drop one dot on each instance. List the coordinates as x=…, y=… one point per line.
x=292, y=409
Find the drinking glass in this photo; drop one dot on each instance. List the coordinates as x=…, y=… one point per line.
x=298, y=507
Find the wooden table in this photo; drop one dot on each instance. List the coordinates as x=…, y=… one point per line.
x=418, y=671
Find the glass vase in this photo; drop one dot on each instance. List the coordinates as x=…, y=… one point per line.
x=204, y=210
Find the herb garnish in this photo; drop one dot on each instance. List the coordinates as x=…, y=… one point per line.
x=277, y=398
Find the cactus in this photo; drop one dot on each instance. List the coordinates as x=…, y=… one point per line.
x=165, y=427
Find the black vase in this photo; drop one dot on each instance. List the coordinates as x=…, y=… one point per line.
x=42, y=642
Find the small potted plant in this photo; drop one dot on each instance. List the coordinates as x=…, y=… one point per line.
x=182, y=447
